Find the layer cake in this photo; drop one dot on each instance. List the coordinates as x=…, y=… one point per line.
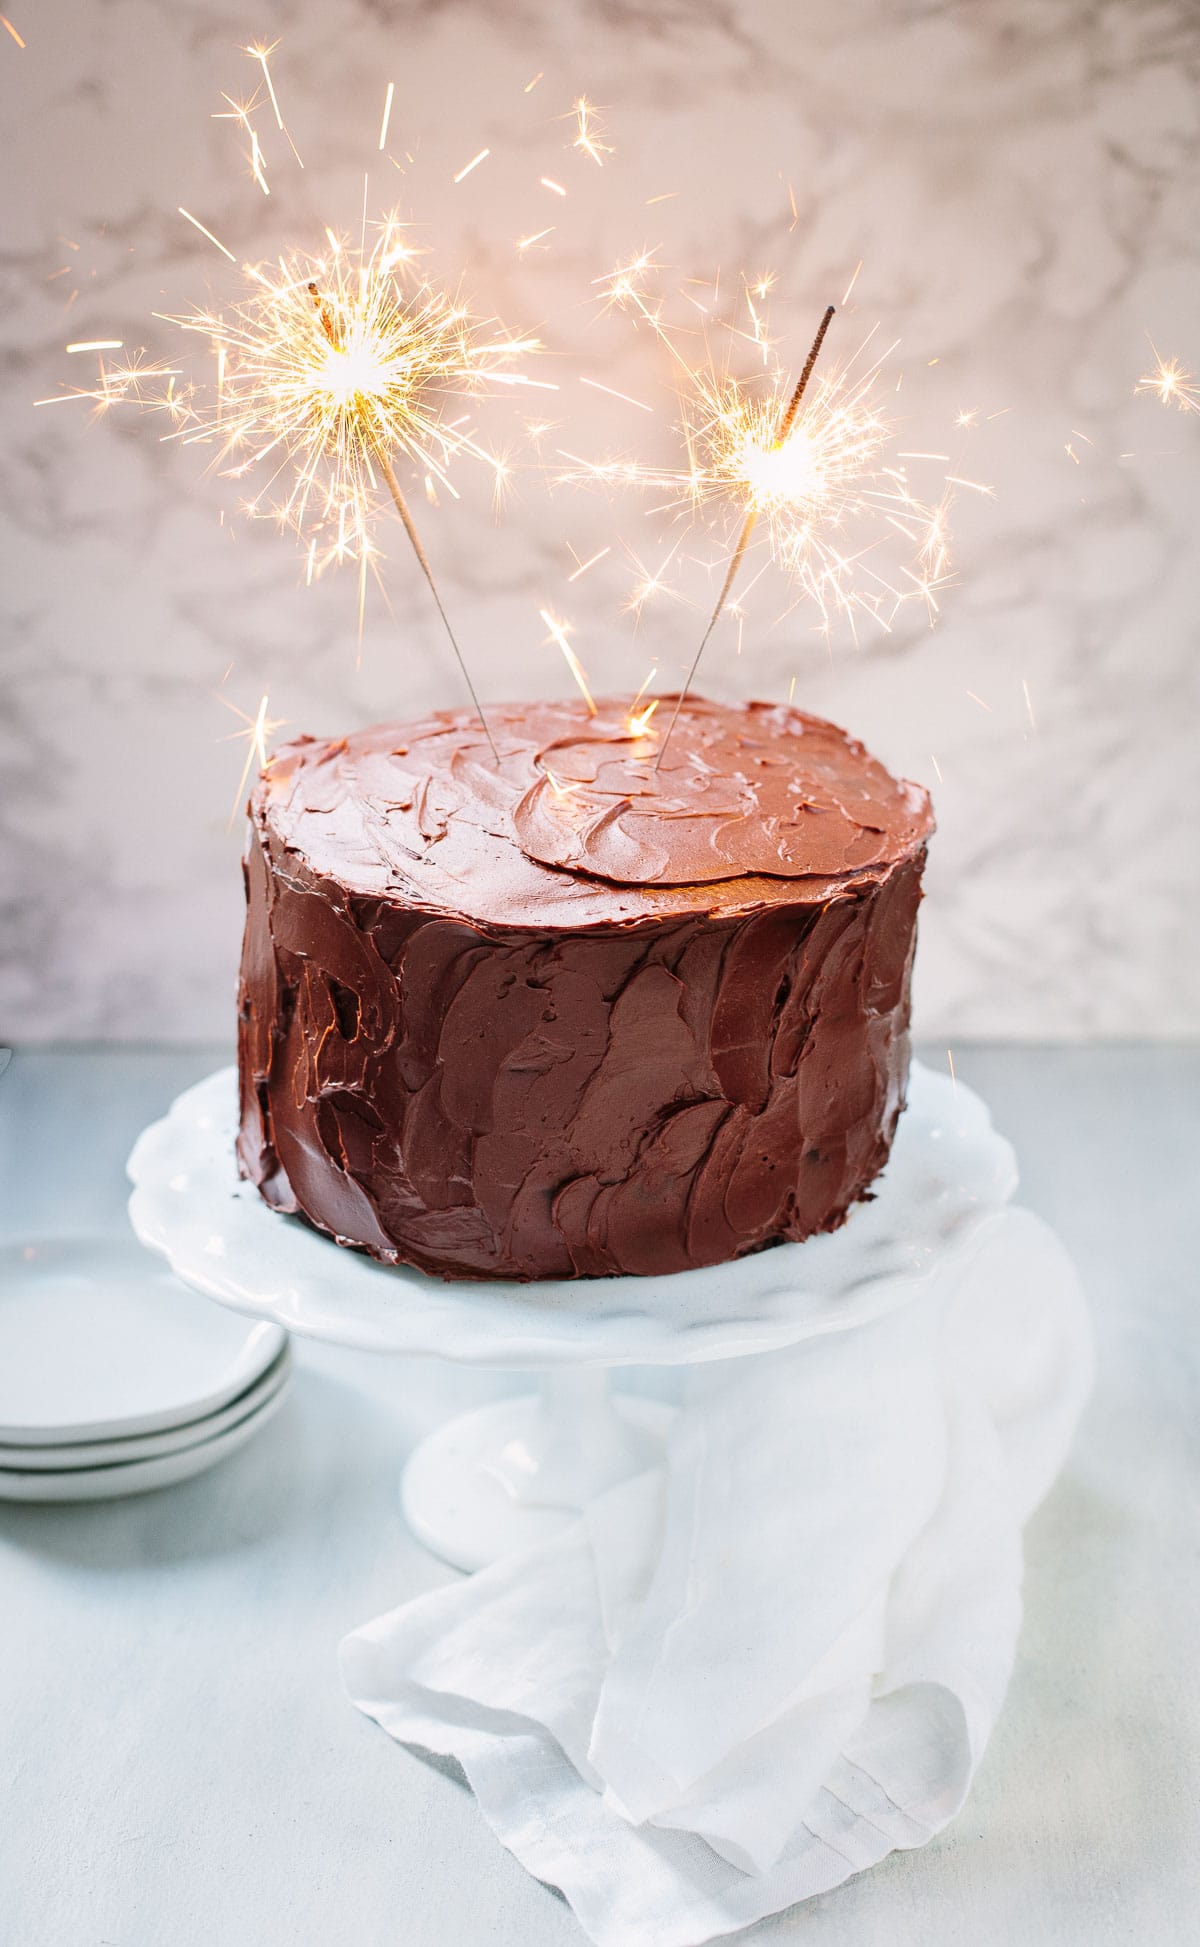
x=569, y=1015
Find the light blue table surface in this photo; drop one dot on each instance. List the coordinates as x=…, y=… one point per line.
x=179, y=1767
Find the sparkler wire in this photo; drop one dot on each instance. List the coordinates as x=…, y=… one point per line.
x=394, y=488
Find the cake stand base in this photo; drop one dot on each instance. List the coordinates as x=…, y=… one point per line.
x=513, y=1474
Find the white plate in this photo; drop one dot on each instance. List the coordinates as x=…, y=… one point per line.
x=150, y=1446
x=137, y=1476
x=949, y=1172
x=99, y=1342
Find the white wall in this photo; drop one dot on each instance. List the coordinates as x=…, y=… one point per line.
x=1021, y=181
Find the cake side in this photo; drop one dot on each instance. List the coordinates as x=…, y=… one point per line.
x=685, y=1073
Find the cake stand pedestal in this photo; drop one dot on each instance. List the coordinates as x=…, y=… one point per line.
x=513, y=1473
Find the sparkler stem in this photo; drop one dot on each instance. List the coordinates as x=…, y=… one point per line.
x=789, y=417
x=394, y=488
x=786, y=423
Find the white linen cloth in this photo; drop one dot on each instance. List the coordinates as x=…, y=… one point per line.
x=744, y=1676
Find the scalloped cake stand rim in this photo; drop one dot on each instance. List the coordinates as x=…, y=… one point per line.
x=949, y=1172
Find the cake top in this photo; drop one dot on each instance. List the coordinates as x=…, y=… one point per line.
x=753, y=804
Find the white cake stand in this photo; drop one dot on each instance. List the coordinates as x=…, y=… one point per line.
x=515, y=1472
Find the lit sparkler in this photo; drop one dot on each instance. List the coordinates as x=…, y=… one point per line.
x=773, y=477
x=804, y=466
x=329, y=372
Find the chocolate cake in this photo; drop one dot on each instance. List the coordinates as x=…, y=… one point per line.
x=565, y=1016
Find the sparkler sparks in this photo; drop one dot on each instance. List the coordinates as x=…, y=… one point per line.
x=473, y=164
x=803, y=468
x=258, y=729
x=589, y=563
x=1171, y=384
x=588, y=130
x=257, y=52
x=196, y=223
x=387, y=115
x=336, y=371
x=772, y=477
x=328, y=373
x=558, y=631
x=638, y=721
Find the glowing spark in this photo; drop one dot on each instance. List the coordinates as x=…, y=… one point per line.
x=652, y=582
x=473, y=164
x=589, y=129
x=7, y=23
x=638, y=721
x=1071, y=451
x=953, y=1076
x=256, y=163
x=195, y=220
x=1171, y=384
x=976, y=486
x=387, y=115
x=597, y=387
x=853, y=281
x=262, y=55
x=980, y=701
x=795, y=212
x=97, y=345
x=669, y=197
x=645, y=685
x=966, y=418
x=258, y=728
x=556, y=187
x=527, y=243
x=624, y=287
x=241, y=112
x=1029, y=704
x=791, y=691
x=937, y=767
x=573, y=663
x=590, y=563
x=531, y=85
x=561, y=791
x=134, y=381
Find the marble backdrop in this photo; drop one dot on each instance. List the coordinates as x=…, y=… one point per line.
x=1022, y=184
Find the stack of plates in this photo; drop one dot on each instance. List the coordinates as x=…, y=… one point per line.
x=114, y=1378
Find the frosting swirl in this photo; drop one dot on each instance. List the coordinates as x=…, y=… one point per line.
x=758, y=791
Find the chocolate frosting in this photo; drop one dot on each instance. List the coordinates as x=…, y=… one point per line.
x=564, y=1015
